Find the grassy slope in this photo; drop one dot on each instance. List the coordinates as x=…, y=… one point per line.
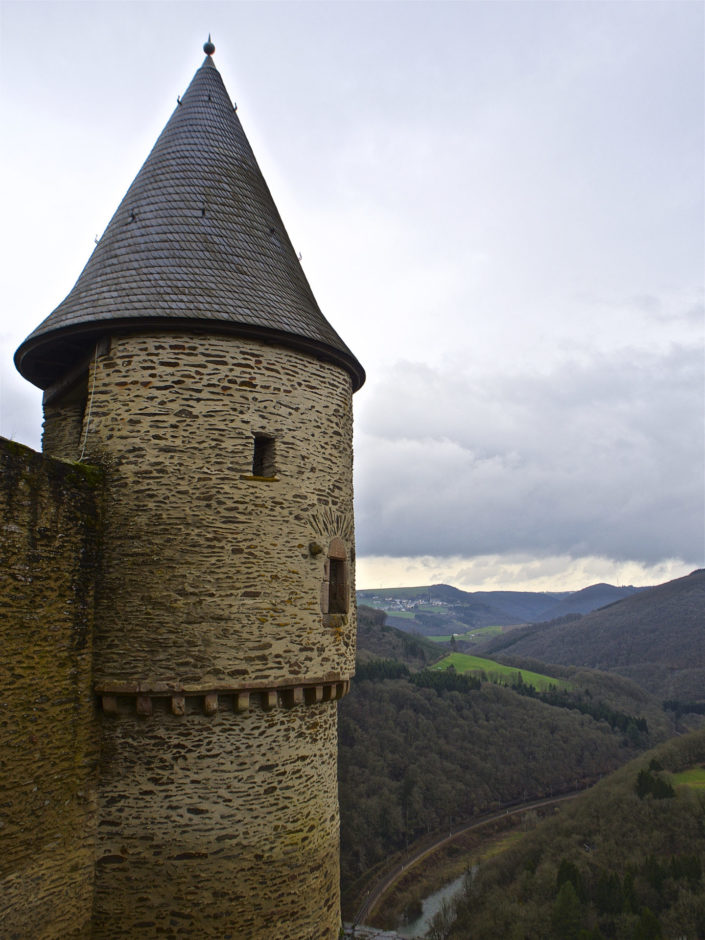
x=508, y=675
x=690, y=778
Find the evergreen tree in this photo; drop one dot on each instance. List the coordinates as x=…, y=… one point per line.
x=567, y=915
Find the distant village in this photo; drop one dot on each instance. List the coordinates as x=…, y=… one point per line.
x=399, y=603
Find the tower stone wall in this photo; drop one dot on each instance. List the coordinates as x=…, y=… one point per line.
x=216, y=658
x=219, y=826
x=214, y=578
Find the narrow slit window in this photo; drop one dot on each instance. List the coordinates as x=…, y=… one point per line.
x=337, y=587
x=263, y=456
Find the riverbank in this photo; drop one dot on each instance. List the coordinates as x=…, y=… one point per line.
x=402, y=903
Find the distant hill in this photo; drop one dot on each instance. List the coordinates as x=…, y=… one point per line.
x=589, y=599
x=440, y=609
x=655, y=637
x=523, y=606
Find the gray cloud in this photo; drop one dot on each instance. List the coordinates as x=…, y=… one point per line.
x=601, y=456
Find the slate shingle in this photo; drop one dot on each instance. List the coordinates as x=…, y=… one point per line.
x=198, y=239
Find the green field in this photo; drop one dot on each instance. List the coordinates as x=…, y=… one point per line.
x=505, y=675
x=695, y=777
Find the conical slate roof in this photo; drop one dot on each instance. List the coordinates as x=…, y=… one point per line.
x=197, y=242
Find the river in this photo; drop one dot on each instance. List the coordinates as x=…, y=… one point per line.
x=430, y=906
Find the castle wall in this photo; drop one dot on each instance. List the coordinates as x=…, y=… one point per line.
x=49, y=535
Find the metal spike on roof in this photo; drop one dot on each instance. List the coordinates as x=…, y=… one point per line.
x=197, y=242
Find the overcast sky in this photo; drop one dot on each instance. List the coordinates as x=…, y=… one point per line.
x=500, y=209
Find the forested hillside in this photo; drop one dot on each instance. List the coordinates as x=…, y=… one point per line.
x=655, y=637
x=625, y=860
x=588, y=599
x=426, y=750
x=376, y=640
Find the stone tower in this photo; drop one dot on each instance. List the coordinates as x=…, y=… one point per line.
x=191, y=361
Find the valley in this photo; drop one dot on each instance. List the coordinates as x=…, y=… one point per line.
x=434, y=735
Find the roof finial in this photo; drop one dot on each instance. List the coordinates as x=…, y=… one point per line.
x=208, y=47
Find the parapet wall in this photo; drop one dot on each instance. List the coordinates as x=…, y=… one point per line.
x=49, y=546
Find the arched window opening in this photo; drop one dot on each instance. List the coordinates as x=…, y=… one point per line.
x=337, y=587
